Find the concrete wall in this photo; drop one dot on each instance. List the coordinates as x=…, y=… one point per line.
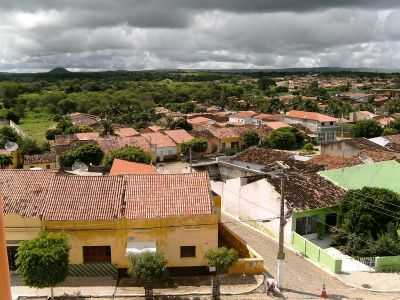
x=316, y=254
x=340, y=149
x=252, y=203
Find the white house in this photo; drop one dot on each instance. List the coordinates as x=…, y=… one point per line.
x=243, y=118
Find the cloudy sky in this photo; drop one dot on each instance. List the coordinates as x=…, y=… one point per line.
x=37, y=35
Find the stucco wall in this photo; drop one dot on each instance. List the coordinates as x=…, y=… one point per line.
x=20, y=229
x=252, y=203
x=169, y=234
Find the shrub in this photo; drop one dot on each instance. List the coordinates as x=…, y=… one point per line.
x=128, y=153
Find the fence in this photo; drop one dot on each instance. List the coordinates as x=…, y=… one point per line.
x=369, y=261
x=316, y=254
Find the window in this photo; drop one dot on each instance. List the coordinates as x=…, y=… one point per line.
x=188, y=251
x=96, y=254
x=47, y=166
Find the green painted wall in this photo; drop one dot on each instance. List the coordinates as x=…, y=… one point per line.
x=316, y=254
x=387, y=264
x=318, y=212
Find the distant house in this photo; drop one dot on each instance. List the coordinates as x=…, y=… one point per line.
x=108, y=218
x=161, y=145
x=179, y=136
x=243, y=118
x=111, y=143
x=263, y=118
x=324, y=127
x=123, y=167
x=356, y=97
x=362, y=115
x=43, y=161
x=200, y=122
x=221, y=139
x=126, y=132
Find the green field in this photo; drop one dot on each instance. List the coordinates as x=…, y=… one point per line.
x=35, y=125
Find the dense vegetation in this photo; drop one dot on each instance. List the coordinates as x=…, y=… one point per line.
x=370, y=221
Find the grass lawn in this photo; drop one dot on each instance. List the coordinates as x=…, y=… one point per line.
x=35, y=125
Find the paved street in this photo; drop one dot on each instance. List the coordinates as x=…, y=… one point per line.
x=302, y=280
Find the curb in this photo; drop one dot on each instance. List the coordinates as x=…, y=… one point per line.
x=309, y=260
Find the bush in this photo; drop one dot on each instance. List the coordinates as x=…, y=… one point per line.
x=390, y=131
x=88, y=154
x=250, y=138
x=51, y=133
x=367, y=129
x=128, y=153
x=198, y=145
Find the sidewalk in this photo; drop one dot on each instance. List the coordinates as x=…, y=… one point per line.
x=103, y=286
x=380, y=282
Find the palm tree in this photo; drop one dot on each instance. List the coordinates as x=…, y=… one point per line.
x=5, y=161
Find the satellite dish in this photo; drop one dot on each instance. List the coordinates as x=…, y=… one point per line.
x=11, y=146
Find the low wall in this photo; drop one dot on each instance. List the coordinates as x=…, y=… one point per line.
x=387, y=264
x=250, y=262
x=316, y=254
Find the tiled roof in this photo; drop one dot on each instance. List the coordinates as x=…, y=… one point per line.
x=121, y=167
x=244, y=114
x=200, y=121
x=310, y=116
x=159, y=139
x=40, y=158
x=110, y=143
x=24, y=191
x=276, y=125
x=268, y=117
x=223, y=132
x=73, y=198
x=87, y=136
x=126, y=132
x=179, y=136
x=78, y=118
x=155, y=128
x=84, y=198
x=165, y=195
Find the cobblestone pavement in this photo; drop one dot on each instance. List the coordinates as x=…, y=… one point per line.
x=302, y=279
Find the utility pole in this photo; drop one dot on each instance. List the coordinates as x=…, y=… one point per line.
x=282, y=223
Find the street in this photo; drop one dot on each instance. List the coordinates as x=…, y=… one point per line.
x=301, y=279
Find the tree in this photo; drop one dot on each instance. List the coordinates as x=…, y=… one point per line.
x=390, y=131
x=250, y=138
x=43, y=262
x=395, y=125
x=264, y=83
x=366, y=228
x=87, y=153
x=107, y=127
x=199, y=145
x=287, y=138
x=128, y=153
x=221, y=259
x=367, y=129
x=5, y=161
x=29, y=146
x=7, y=134
x=148, y=268
x=179, y=123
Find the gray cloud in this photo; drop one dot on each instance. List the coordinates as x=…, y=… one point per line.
x=136, y=34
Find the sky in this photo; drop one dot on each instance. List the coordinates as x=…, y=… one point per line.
x=89, y=35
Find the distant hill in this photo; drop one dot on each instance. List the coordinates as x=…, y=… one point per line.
x=59, y=70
